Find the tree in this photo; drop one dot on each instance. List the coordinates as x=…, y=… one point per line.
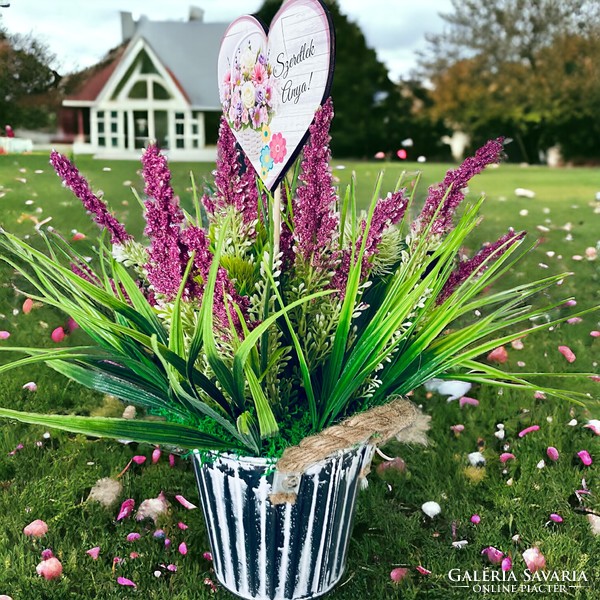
x=28, y=83
x=371, y=114
x=500, y=67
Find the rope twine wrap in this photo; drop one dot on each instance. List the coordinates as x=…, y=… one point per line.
x=375, y=426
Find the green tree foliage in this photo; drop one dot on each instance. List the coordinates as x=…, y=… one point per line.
x=28, y=83
x=372, y=113
x=529, y=69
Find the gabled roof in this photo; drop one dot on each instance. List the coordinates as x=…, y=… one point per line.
x=95, y=78
x=188, y=50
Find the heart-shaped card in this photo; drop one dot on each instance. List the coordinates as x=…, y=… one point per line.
x=271, y=86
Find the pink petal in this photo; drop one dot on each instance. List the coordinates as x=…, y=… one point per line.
x=594, y=425
x=595, y=378
x=132, y=537
x=423, y=570
x=534, y=559
x=37, y=528
x=570, y=303
x=126, y=582
x=172, y=568
x=595, y=333
x=527, y=430
x=505, y=456
x=94, y=552
x=31, y=386
x=466, y=400
x=585, y=457
x=58, y=335
x=126, y=509
x=183, y=548
x=398, y=574
x=47, y=554
x=139, y=460
x=574, y=320
x=78, y=236
x=50, y=569
x=498, y=355
x=507, y=563
x=72, y=325
x=171, y=460
x=4, y=335
x=539, y=395
x=552, y=453
x=27, y=306
x=556, y=518
x=207, y=556
x=517, y=344
x=475, y=519
x=494, y=555
x=155, y=455
x=185, y=503
x=567, y=353
x=457, y=428
x=182, y=526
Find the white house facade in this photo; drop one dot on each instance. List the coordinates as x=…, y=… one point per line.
x=161, y=86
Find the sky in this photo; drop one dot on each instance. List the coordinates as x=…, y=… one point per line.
x=80, y=33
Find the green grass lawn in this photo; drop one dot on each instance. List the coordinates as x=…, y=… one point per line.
x=50, y=479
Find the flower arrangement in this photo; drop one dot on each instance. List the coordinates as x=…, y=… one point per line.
x=247, y=337
x=247, y=91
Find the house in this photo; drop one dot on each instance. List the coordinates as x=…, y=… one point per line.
x=159, y=84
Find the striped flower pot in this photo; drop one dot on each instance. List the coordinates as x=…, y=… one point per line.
x=282, y=551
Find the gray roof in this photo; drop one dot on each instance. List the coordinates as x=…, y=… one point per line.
x=190, y=51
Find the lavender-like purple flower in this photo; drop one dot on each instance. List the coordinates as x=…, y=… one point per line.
x=225, y=295
x=387, y=212
x=475, y=265
x=73, y=179
x=168, y=258
x=315, y=224
x=234, y=188
x=448, y=195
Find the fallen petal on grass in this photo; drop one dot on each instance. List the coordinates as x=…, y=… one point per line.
x=494, y=555
x=534, y=559
x=37, y=528
x=527, y=430
x=50, y=569
x=398, y=574
x=185, y=503
x=126, y=509
x=506, y=456
x=585, y=457
x=567, y=353
x=552, y=453
x=126, y=582
x=498, y=355
x=594, y=425
x=94, y=552
x=465, y=400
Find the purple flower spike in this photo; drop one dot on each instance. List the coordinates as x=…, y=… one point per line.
x=448, y=195
x=479, y=263
x=315, y=223
x=73, y=179
x=163, y=222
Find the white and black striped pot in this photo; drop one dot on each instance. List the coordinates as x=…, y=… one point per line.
x=286, y=551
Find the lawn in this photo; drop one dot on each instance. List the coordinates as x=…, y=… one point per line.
x=50, y=477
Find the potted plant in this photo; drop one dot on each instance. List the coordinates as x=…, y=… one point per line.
x=279, y=369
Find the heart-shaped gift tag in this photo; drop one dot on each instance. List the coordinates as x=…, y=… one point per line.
x=271, y=87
